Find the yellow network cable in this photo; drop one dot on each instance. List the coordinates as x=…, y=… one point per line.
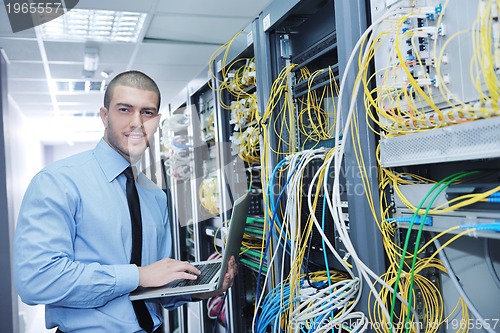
x=271, y=117
x=432, y=300
x=265, y=121
x=223, y=48
x=409, y=117
x=396, y=110
x=463, y=201
x=208, y=194
x=404, y=104
x=313, y=120
x=249, y=145
x=485, y=45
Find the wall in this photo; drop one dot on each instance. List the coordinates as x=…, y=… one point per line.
x=54, y=152
x=8, y=322
x=24, y=159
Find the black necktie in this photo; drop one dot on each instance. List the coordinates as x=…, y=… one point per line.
x=134, y=207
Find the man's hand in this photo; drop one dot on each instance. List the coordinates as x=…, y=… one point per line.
x=166, y=270
x=232, y=270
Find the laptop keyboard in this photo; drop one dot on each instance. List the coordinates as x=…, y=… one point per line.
x=208, y=271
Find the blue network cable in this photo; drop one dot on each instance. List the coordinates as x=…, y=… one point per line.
x=323, y=213
x=271, y=223
x=327, y=267
x=271, y=197
x=271, y=308
x=275, y=220
x=483, y=227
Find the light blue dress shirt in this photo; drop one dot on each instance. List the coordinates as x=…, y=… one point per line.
x=73, y=243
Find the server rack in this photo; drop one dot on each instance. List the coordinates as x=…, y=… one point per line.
x=443, y=58
x=215, y=178
x=235, y=76
x=317, y=34
x=176, y=174
x=326, y=34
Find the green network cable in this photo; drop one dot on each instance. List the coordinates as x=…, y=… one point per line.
x=448, y=180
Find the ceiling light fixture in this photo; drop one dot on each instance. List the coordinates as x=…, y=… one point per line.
x=64, y=87
x=91, y=59
x=105, y=73
x=95, y=25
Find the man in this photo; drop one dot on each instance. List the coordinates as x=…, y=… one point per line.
x=73, y=243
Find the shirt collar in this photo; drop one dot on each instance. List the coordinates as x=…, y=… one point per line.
x=110, y=161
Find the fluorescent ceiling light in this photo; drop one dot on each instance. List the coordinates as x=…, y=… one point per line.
x=72, y=86
x=95, y=25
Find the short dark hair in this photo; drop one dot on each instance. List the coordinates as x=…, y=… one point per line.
x=134, y=79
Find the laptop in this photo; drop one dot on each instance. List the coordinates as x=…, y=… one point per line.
x=212, y=271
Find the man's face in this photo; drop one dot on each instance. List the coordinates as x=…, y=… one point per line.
x=131, y=120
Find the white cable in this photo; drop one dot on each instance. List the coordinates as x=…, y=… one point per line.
x=176, y=122
x=297, y=163
x=338, y=156
x=489, y=262
x=312, y=308
x=269, y=272
x=316, y=222
x=461, y=291
x=326, y=240
x=361, y=324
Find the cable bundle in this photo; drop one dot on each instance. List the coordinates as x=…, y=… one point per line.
x=320, y=305
x=314, y=119
x=332, y=303
x=177, y=155
x=413, y=92
x=208, y=194
x=407, y=272
x=407, y=99
x=236, y=78
x=247, y=144
x=243, y=111
x=175, y=123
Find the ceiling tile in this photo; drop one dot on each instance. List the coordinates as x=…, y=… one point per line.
x=174, y=54
x=234, y=8
x=24, y=86
x=73, y=51
x=31, y=99
x=142, y=6
x=64, y=51
x=93, y=99
x=187, y=28
x=169, y=72
x=25, y=70
x=116, y=53
x=20, y=49
x=66, y=72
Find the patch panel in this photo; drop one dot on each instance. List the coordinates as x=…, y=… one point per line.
x=428, y=59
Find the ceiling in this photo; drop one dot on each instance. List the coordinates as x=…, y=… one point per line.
x=174, y=46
